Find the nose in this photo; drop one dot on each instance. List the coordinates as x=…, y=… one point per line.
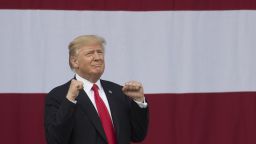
x=97, y=56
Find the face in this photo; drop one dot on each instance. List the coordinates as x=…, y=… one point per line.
x=89, y=62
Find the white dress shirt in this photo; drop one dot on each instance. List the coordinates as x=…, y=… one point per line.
x=88, y=89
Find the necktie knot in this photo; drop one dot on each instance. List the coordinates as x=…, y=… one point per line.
x=95, y=87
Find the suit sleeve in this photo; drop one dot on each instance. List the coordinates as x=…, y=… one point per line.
x=58, y=117
x=139, y=121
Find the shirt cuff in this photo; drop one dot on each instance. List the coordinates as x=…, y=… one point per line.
x=75, y=101
x=143, y=104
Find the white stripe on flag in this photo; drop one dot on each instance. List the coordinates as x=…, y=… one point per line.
x=168, y=51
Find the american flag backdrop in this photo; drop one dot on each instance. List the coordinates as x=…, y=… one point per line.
x=196, y=59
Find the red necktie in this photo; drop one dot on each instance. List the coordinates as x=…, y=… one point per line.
x=104, y=116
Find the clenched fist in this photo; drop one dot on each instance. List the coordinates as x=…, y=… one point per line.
x=134, y=90
x=74, y=88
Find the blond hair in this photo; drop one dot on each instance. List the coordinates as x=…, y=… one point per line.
x=83, y=40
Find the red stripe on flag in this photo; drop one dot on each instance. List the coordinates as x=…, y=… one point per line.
x=129, y=5
x=205, y=118
x=22, y=119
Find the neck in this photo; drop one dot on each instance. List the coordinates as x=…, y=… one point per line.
x=91, y=78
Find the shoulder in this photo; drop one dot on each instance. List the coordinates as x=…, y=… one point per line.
x=61, y=87
x=110, y=84
x=59, y=91
x=115, y=89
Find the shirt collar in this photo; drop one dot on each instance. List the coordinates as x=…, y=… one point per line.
x=87, y=84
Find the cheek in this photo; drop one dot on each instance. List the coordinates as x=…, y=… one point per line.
x=84, y=60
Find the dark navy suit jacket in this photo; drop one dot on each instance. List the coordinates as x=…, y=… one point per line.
x=69, y=123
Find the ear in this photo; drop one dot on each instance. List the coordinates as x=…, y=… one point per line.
x=74, y=62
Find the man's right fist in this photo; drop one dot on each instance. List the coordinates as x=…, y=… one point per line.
x=74, y=88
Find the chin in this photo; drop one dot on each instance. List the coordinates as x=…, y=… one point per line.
x=98, y=73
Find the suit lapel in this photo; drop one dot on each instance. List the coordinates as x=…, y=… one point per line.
x=87, y=106
x=112, y=104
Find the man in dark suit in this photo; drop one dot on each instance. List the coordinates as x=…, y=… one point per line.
x=88, y=110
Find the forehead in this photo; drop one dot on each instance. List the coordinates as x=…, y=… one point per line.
x=91, y=47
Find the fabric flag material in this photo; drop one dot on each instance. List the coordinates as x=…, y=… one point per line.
x=196, y=60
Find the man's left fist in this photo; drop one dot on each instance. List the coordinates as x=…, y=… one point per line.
x=134, y=90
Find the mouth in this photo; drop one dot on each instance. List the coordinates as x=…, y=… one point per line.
x=97, y=65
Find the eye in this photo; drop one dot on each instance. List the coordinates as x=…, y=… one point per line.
x=100, y=52
x=89, y=53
